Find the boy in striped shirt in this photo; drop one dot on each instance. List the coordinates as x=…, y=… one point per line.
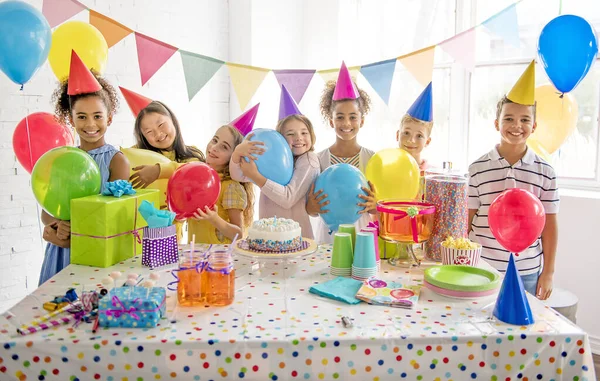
x=511, y=164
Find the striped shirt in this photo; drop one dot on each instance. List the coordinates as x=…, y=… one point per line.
x=489, y=176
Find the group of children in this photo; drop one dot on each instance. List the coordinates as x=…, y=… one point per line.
x=88, y=102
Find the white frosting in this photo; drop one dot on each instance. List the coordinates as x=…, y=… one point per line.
x=275, y=229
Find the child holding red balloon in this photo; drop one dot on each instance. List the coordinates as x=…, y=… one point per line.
x=276, y=200
x=344, y=106
x=235, y=205
x=511, y=164
x=87, y=102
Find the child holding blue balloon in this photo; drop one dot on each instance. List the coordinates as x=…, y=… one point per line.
x=286, y=201
x=343, y=106
x=233, y=210
x=87, y=102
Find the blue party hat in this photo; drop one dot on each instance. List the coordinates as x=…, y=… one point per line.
x=422, y=109
x=287, y=105
x=512, y=306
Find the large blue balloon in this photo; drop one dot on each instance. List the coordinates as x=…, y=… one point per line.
x=342, y=183
x=277, y=162
x=25, y=39
x=567, y=48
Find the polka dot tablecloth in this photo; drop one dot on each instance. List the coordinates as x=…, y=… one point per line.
x=276, y=330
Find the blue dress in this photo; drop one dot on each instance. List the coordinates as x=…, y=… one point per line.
x=57, y=258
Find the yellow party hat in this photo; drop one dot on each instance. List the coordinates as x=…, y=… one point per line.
x=523, y=92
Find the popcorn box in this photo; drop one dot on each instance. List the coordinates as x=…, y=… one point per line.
x=468, y=257
x=132, y=307
x=106, y=230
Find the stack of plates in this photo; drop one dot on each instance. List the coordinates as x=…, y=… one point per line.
x=462, y=282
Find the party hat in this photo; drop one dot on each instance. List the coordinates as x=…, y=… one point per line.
x=287, y=105
x=136, y=102
x=512, y=306
x=81, y=79
x=422, y=109
x=523, y=92
x=345, y=87
x=245, y=122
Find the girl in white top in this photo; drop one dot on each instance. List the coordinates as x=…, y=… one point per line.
x=277, y=200
x=346, y=117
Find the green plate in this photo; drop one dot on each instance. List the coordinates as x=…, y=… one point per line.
x=462, y=278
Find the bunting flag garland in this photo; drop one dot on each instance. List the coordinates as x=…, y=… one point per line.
x=112, y=31
x=505, y=24
x=198, y=70
x=246, y=80
x=152, y=55
x=59, y=11
x=380, y=76
x=296, y=81
x=420, y=64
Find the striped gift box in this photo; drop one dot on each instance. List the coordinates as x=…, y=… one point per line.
x=467, y=257
x=159, y=246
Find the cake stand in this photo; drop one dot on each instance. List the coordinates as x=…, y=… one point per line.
x=310, y=246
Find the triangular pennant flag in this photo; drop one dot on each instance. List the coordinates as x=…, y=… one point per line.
x=512, y=306
x=420, y=64
x=59, y=11
x=462, y=48
x=287, y=106
x=296, y=81
x=380, y=76
x=506, y=25
x=152, y=55
x=246, y=80
x=332, y=74
x=198, y=70
x=81, y=79
x=112, y=31
x=136, y=102
x=523, y=92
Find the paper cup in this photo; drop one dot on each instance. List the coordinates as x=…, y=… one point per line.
x=342, y=253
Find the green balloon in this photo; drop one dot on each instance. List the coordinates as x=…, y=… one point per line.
x=63, y=174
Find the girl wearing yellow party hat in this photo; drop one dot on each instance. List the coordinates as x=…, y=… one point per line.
x=511, y=164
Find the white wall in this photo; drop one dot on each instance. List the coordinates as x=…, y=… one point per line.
x=198, y=26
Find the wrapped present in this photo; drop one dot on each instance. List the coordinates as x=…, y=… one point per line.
x=106, y=230
x=159, y=246
x=132, y=307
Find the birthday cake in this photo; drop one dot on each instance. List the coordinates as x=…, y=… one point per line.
x=275, y=235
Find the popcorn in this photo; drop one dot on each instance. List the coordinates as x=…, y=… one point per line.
x=459, y=243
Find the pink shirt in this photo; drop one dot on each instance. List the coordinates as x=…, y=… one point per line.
x=287, y=201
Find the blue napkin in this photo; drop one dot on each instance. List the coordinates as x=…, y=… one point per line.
x=117, y=188
x=340, y=288
x=156, y=218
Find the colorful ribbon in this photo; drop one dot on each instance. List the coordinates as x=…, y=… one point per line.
x=131, y=311
x=412, y=212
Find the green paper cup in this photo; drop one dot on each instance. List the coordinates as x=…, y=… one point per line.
x=350, y=229
x=343, y=253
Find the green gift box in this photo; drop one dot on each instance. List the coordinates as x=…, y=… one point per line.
x=106, y=230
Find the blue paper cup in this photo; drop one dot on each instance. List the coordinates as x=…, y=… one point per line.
x=364, y=251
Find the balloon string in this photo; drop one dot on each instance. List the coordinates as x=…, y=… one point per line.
x=37, y=205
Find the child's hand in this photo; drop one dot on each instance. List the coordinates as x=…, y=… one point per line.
x=207, y=214
x=63, y=230
x=544, y=286
x=249, y=169
x=145, y=175
x=50, y=235
x=370, y=204
x=247, y=149
x=315, y=203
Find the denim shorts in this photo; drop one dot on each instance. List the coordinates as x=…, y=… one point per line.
x=530, y=282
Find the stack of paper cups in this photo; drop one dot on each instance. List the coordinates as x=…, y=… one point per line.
x=342, y=255
x=364, y=265
x=376, y=243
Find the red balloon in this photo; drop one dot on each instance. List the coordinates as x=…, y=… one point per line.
x=516, y=219
x=192, y=186
x=45, y=133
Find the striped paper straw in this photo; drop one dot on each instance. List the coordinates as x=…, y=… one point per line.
x=24, y=330
x=41, y=319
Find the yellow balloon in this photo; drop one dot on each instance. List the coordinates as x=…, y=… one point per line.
x=556, y=117
x=85, y=40
x=394, y=173
x=537, y=148
x=139, y=157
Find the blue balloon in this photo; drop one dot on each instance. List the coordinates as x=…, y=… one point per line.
x=25, y=39
x=567, y=48
x=342, y=183
x=277, y=162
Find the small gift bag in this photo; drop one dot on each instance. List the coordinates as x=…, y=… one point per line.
x=159, y=246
